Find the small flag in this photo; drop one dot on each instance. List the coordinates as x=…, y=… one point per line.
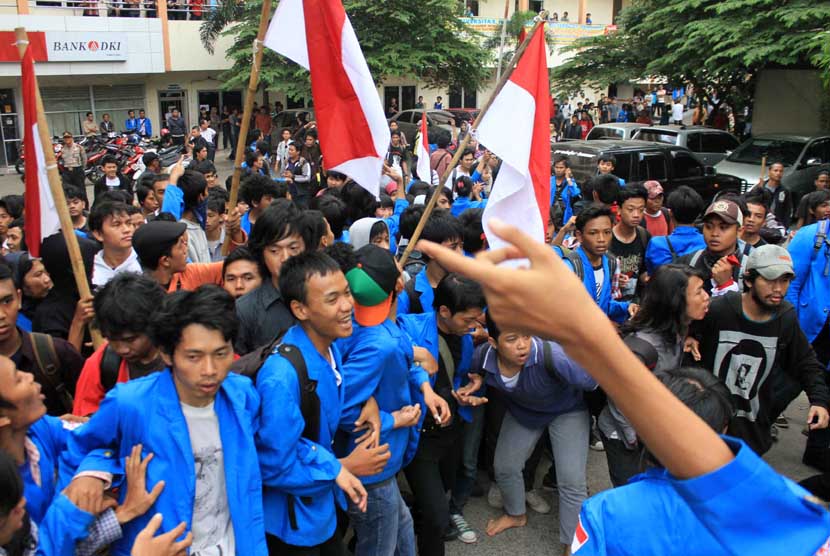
x=353, y=131
x=41, y=219
x=422, y=150
x=517, y=130
x=580, y=537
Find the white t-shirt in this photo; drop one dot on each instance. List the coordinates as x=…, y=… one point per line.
x=209, y=134
x=103, y=273
x=212, y=528
x=677, y=111
x=112, y=183
x=599, y=278
x=338, y=378
x=510, y=381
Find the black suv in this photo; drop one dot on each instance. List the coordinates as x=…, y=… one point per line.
x=638, y=161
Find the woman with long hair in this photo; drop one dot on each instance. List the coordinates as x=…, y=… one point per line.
x=673, y=299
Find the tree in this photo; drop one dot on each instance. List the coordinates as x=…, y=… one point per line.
x=515, y=24
x=712, y=44
x=422, y=40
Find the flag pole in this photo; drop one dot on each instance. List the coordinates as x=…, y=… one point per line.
x=502, y=38
x=540, y=21
x=56, y=188
x=241, y=141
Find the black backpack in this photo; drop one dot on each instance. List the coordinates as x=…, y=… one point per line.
x=579, y=269
x=414, y=295
x=49, y=367
x=250, y=364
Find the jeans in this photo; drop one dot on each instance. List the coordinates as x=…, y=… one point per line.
x=569, y=434
x=468, y=469
x=386, y=528
x=493, y=416
x=430, y=474
x=622, y=462
x=332, y=547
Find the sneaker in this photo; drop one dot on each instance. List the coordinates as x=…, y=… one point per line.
x=464, y=532
x=596, y=442
x=782, y=422
x=536, y=502
x=494, y=497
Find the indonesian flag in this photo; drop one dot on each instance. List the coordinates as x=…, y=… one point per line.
x=422, y=150
x=580, y=537
x=353, y=132
x=41, y=219
x=517, y=130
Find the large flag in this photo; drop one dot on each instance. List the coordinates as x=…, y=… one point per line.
x=353, y=132
x=517, y=130
x=41, y=215
x=422, y=150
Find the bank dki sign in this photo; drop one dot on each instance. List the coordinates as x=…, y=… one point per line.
x=85, y=46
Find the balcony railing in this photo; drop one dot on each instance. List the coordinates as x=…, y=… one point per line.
x=176, y=9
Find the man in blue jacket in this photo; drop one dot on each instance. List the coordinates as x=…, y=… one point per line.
x=200, y=427
x=591, y=262
x=542, y=389
x=380, y=361
x=458, y=304
x=303, y=479
x=686, y=205
x=563, y=188
x=810, y=295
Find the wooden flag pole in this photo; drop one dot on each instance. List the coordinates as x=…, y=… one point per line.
x=763, y=169
x=241, y=141
x=56, y=188
x=540, y=21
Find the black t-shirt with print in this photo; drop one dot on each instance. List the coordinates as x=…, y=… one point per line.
x=631, y=261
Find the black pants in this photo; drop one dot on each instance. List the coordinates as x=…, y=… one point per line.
x=430, y=475
x=622, y=462
x=177, y=139
x=332, y=547
x=226, y=137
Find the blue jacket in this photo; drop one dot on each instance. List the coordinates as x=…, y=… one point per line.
x=147, y=411
x=130, y=125
x=148, y=127
x=62, y=527
x=645, y=517
x=245, y=222
x=570, y=192
x=750, y=509
x=810, y=289
x=616, y=310
x=378, y=361
x=684, y=239
x=292, y=465
x=173, y=201
x=538, y=397
x=427, y=295
x=49, y=436
x=423, y=331
x=463, y=203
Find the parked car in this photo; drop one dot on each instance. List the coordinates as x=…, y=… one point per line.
x=614, y=130
x=803, y=157
x=638, y=161
x=469, y=114
x=409, y=122
x=288, y=118
x=710, y=145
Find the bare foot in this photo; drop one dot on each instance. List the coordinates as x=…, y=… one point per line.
x=505, y=522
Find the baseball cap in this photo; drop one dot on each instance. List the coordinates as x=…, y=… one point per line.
x=726, y=210
x=155, y=238
x=654, y=188
x=770, y=261
x=372, y=283
x=391, y=188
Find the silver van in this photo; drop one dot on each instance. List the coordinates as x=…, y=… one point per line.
x=709, y=145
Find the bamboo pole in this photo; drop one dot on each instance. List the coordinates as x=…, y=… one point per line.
x=502, y=38
x=56, y=188
x=460, y=150
x=253, y=83
x=763, y=169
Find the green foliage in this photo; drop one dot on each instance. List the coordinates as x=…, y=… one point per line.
x=515, y=24
x=421, y=40
x=718, y=44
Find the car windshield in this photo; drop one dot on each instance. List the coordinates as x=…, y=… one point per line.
x=661, y=136
x=782, y=150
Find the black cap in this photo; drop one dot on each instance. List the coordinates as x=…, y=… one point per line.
x=149, y=158
x=154, y=239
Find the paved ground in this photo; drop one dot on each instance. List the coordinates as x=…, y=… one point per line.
x=541, y=536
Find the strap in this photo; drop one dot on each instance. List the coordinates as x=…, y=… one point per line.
x=671, y=249
x=819, y=242
x=445, y=354
x=110, y=365
x=695, y=257
x=48, y=363
x=415, y=305
x=642, y=349
x=309, y=401
x=576, y=261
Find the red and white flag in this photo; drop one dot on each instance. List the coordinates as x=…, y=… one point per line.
x=41, y=219
x=516, y=128
x=422, y=150
x=353, y=132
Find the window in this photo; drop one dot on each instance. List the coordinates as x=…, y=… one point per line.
x=693, y=142
x=661, y=136
x=406, y=117
x=623, y=168
x=605, y=133
x=652, y=167
x=536, y=6
x=818, y=150
x=462, y=97
x=471, y=8
x=117, y=100
x=686, y=166
x=717, y=143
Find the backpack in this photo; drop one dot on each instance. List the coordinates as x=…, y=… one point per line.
x=250, y=364
x=644, y=351
x=48, y=365
x=819, y=242
x=579, y=269
x=110, y=365
x=414, y=295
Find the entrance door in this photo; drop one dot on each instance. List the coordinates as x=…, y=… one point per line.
x=9, y=133
x=231, y=99
x=208, y=100
x=168, y=100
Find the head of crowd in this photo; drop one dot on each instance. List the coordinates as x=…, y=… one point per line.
x=269, y=370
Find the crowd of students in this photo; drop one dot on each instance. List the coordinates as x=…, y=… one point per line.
x=275, y=381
